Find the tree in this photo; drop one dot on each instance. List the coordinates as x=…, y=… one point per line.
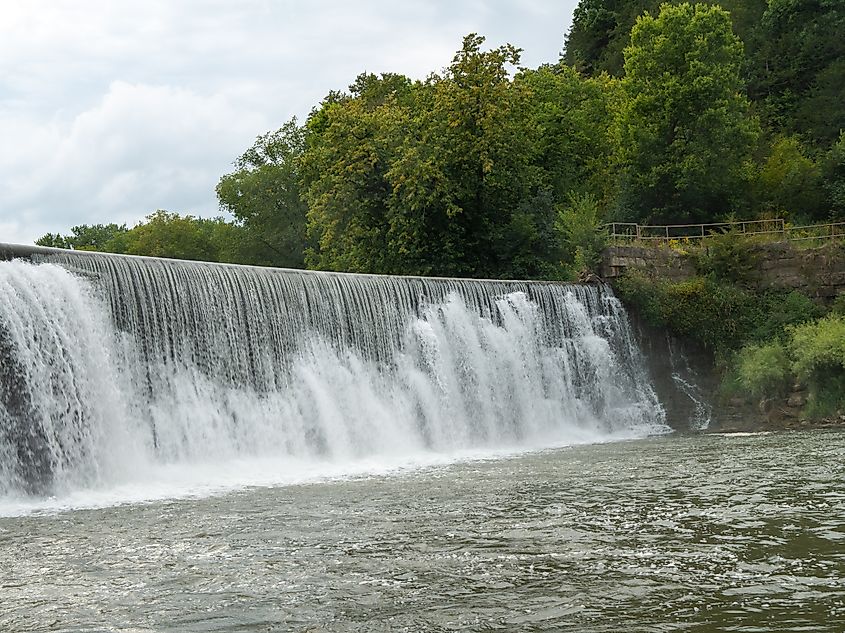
x=790, y=181
x=798, y=67
x=426, y=178
x=264, y=194
x=88, y=237
x=686, y=131
x=601, y=30
x=575, y=121
x=166, y=234
x=465, y=167
x=352, y=143
x=833, y=171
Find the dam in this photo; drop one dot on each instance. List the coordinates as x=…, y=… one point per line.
x=115, y=365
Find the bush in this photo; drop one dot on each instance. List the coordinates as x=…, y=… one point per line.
x=763, y=369
x=818, y=353
x=727, y=257
x=719, y=316
x=781, y=310
x=583, y=238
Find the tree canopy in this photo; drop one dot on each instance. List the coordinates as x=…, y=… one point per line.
x=686, y=138
x=669, y=112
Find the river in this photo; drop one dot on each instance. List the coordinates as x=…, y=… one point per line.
x=675, y=533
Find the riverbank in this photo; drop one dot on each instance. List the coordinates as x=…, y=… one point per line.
x=757, y=327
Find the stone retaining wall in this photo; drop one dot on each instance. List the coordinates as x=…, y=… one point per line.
x=817, y=271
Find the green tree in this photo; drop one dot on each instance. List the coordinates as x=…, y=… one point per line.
x=601, y=30
x=352, y=143
x=833, y=173
x=574, y=118
x=797, y=68
x=686, y=131
x=431, y=177
x=88, y=237
x=790, y=181
x=264, y=194
x=166, y=234
x=580, y=224
x=465, y=167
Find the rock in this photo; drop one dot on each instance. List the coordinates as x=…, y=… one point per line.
x=796, y=399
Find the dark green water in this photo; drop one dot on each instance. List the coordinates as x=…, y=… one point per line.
x=711, y=533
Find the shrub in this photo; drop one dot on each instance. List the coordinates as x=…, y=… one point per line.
x=763, y=369
x=818, y=353
x=583, y=238
x=779, y=310
x=719, y=316
x=727, y=257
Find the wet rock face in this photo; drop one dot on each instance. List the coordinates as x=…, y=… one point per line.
x=682, y=374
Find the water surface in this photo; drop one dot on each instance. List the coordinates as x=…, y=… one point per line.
x=706, y=533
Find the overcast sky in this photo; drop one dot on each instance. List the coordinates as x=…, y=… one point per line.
x=110, y=110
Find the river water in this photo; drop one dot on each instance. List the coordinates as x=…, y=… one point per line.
x=677, y=533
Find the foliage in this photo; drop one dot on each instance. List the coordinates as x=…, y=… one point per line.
x=818, y=347
x=583, y=238
x=789, y=181
x=818, y=353
x=435, y=177
x=88, y=237
x=726, y=257
x=833, y=171
x=162, y=234
x=575, y=135
x=721, y=316
x=264, y=194
x=601, y=30
x=686, y=139
x=350, y=146
x=797, y=66
x=486, y=169
x=763, y=369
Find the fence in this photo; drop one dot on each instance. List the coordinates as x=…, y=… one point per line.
x=629, y=231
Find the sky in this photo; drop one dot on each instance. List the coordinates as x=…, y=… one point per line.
x=110, y=109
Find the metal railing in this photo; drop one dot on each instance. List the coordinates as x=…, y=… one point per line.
x=630, y=231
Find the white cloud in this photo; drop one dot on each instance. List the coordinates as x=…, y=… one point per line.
x=109, y=110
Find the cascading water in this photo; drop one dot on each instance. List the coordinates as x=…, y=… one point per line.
x=113, y=366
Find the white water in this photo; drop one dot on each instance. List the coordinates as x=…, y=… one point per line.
x=126, y=379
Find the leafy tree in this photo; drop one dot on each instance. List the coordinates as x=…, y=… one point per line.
x=264, y=194
x=166, y=234
x=465, y=167
x=797, y=68
x=580, y=224
x=352, y=143
x=88, y=237
x=601, y=30
x=833, y=172
x=763, y=369
x=790, y=181
x=575, y=130
x=687, y=137
x=425, y=178
x=162, y=234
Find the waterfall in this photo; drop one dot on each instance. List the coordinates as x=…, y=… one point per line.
x=115, y=365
